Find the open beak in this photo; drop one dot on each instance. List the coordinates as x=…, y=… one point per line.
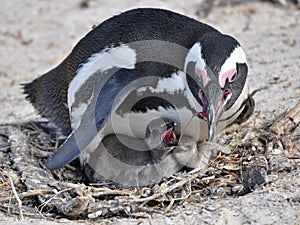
x=214, y=98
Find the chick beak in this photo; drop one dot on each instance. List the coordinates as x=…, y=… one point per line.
x=214, y=98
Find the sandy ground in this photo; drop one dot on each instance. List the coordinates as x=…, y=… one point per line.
x=36, y=35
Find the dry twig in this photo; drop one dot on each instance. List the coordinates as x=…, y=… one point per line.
x=246, y=142
x=17, y=197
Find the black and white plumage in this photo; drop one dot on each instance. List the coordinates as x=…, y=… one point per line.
x=136, y=67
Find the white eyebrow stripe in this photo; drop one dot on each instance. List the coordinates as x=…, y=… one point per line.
x=237, y=56
x=195, y=55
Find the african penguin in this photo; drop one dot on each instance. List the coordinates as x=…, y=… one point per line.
x=141, y=66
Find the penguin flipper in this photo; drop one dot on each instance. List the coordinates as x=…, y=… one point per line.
x=67, y=152
x=88, y=133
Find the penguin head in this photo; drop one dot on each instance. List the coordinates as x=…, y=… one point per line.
x=216, y=71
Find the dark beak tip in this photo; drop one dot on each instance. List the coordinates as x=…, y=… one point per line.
x=211, y=136
x=212, y=123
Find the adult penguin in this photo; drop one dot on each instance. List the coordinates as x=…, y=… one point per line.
x=141, y=66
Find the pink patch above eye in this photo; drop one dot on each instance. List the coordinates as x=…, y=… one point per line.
x=229, y=75
x=202, y=76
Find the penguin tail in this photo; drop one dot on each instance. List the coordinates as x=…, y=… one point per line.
x=50, y=99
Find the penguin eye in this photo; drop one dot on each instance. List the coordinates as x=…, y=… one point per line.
x=227, y=93
x=232, y=78
x=201, y=97
x=228, y=76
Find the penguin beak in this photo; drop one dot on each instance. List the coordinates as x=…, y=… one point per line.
x=214, y=98
x=212, y=120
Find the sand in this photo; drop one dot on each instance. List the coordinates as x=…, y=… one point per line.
x=36, y=35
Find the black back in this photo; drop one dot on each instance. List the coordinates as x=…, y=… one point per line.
x=49, y=92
